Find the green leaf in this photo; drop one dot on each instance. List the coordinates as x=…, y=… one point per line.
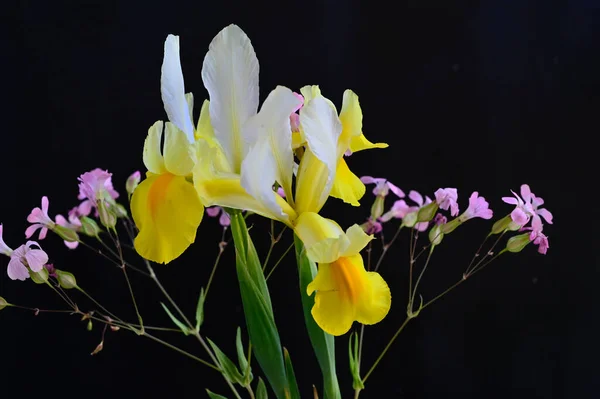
x=323, y=343
x=227, y=366
x=241, y=354
x=258, y=311
x=179, y=324
x=214, y=395
x=289, y=370
x=200, y=310
x=261, y=390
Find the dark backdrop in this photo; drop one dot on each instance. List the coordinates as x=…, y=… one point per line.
x=476, y=95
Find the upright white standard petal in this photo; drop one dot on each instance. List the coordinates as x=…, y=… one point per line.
x=230, y=75
x=272, y=124
x=259, y=171
x=322, y=128
x=172, y=88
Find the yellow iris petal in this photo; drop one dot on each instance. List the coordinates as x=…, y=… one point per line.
x=167, y=211
x=359, y=143
x=310, y=183
x=346, y=292
x=346, y=185
x=351, y=117
x=323, y=238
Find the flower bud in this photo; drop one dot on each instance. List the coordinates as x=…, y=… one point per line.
x=66, y=279
x=3, y=303
x=120, y=210
x=427, y=212
x=65, y=233
x=89, y=226
x=107, y=217
x=451, y=226
x=501, y=225
x=410, y=219
x=89, y=325
x=436, y=235
x=517, y=243
x=133, y=181
x=39, y=277
x=377, y=207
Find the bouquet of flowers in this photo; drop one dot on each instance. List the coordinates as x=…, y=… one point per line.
x=281, y=161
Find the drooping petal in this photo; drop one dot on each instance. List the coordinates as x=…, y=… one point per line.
x=272, y=125
x=510, y=200
x=416, y=197
x=17, y=270
x=376, y=303
x=177, y=151
x=360, y=142
x=333, y=311
x=153, y=158
x=172, y=88
x=230, y=75
x=213, y=211
x=322, y=128
x=351, y=118
x=30, y=231
x=347, y=186
x=72, y=244
x=167, y=211
x=545, y=214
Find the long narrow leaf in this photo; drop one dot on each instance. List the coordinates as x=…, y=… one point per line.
x=289, y=369
x=323, y=343
x=258, y=311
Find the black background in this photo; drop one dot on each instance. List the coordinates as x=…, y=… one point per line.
x=475, y=95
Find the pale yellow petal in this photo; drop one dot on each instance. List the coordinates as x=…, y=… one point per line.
x=311, y=181
x=358, y=240
x=152, y=155
x=359, y=143
x=346, y=185
x=189, y=98
x=374, y=306
x=177, y=151
x=323, y=238
x=167, y=212
x=230, y=75
x=309, y=92
x=204, y=128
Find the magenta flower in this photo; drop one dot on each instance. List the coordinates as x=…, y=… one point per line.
x=133, y=181
x=446, y=198
x=478, y=208
x=398, y=211
x=214, y=211
x=382, y=186
x=372, y=226
x=4, y=249
x=40, y=219
x=93, y=186
x=51, y=269
x=440, y=219
x=26, y=256
x=542, y=242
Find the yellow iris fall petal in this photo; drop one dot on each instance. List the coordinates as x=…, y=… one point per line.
x=347, y=186
x=167, y=212
x=346, y=292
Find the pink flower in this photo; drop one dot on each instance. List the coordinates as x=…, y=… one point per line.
x=446, y=198
x=382, y=186
x=4, y=249
x=527, y=207
x=281, y=192
x=73, y=224
x=440, y=219
x=398, y=211
x=542, y=242
x=372, y=226
x=40, y=219
x=215, y=211
x=51, y=269
x=93, y=186
x=418, y=199
x=23, y=257
x=478, y=208
x=133, y=181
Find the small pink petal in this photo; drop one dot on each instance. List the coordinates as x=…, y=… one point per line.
x=396, y=190
x=45, y=204
x=545, y=214
x=213, y=211
x=224, y=219
x=32, y=229
x=43, y=233
x=36, y=216
x=368, y=179
x=17, y=270
x=85, y=208
x=519, y=217
x=36, y=259
x=61, y=221
x=281, y=192
x=416, y=197
x=71, y=244
x=510, y=200
x=526, y=193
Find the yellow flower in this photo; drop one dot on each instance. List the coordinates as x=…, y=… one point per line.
x=345, y=291
x=165, y=206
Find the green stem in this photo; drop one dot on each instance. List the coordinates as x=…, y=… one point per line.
x=386, y=349
x=412, y=299
x=176, y=349
x=214, y=268
x=279, y=261
x=387, y=247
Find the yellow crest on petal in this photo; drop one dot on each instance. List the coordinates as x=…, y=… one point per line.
x=167, y=211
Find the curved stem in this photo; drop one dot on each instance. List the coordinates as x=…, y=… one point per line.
x=387, y=247
x=279, y=261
